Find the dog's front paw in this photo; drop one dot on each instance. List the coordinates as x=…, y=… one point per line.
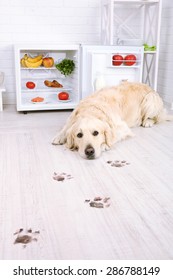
x=148, y=123
x=105, y=147
x=59, y=139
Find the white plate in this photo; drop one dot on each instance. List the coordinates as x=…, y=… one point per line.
x=64, y=101
x=41, y=102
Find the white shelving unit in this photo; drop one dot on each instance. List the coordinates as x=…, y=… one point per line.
x=134, y=22
x=40, y=74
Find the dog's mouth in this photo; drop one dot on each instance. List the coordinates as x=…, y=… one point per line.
x=90, y=157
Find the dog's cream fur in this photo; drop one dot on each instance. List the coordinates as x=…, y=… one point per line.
x=105, y=117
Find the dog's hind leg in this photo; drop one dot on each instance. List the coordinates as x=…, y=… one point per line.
x=122, y=131
x=148, y=122
x=152, y=109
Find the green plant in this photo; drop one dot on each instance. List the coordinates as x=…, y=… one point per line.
x=149, y=48
x=66, y=66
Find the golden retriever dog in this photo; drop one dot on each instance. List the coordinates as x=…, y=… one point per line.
x=105, y=117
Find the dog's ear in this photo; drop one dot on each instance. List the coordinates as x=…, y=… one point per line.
x=70, y=138
x=109, y=135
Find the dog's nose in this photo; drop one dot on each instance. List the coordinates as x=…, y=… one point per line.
x=89, y=151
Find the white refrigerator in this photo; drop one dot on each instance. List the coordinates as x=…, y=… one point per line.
x=95, y=67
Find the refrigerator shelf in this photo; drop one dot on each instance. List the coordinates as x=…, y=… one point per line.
x=49, y=102
x=39, y=68
x=56, y=90
x=48, y=105
x=48, y=99
x=40, y=86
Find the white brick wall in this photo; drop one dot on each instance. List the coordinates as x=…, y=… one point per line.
x=165, y=74
x=44, y=21
x=68, y=21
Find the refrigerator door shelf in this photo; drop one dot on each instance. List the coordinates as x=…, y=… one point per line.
x=124, y=63
x=136, y=65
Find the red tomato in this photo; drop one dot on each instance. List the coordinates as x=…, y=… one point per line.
x=30, y=85
x=63, y=95
x=129, y=59
x=117, y=59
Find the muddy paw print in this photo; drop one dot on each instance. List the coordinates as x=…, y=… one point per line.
x=118, y=163
x=99, y=202
x=61, y=176
x=25, y=237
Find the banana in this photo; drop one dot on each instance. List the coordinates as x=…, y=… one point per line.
x=34, y=59
x=25, y=56
x=33, y=64
x=22, y=61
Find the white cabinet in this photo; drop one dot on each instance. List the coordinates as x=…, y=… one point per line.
x=38, y=75
x=134, y=22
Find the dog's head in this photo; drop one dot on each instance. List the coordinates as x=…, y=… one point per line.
x=90, y=136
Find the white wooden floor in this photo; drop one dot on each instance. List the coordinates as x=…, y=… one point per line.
x=137, y=225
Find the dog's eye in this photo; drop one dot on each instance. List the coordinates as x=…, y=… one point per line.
x=79, y=135
x=95, y=133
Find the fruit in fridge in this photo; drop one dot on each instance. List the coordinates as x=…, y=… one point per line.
x=117, y=59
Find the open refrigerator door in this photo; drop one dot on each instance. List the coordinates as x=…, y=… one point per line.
x=103, y=66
